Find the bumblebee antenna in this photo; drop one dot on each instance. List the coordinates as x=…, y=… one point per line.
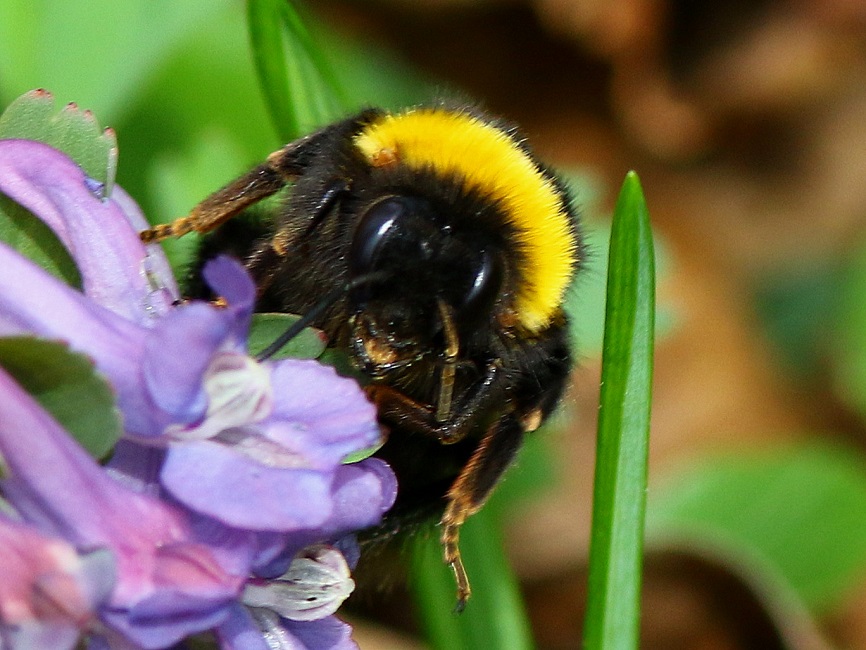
x=312, y=314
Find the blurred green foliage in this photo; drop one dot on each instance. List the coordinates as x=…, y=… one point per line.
x=799, y=511
x=176, y=81
x=847, y=343
x=494, y=617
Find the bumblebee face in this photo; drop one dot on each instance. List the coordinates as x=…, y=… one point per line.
x=429, y=271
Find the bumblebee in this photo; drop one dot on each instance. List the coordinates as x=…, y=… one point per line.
x=434, y=249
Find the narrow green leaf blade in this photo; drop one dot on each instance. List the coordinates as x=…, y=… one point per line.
x=494, y=616
x=267, y=328
x=67, y=385
x=300, y=89
x=613, y=610
x=266, y=41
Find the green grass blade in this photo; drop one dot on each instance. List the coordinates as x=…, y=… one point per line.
x=494, y=616
x=613, y=610
x=266, y=42
x=301, y=91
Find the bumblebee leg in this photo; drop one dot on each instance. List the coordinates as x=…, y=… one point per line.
x=268, y=178
x=472, y=488
x=265, y=262
x=394, y=406
x=336, y=190
x=220, y=206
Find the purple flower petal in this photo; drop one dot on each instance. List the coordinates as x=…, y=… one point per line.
x=277, y=475
x=253, y=464
x=57, y=487
x=230, y=280
x=235, y=549
x=318, y=414
x=362, y=493
x=242, y=492
x=34, y=302
x=350, y=548
x=49, y=594
x=238, y=391
x=330, y=633
x=156, y=372
x=156, y=266
x=156, y=632
x=177, y=354
x=239, y=631
x=117, y=270
x=246, y=629
x=137, y=467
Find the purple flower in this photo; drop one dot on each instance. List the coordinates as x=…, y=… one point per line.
x=229, y=468
x=49, y=592
x=117, y=272
x=295, y=610
x=161, y=565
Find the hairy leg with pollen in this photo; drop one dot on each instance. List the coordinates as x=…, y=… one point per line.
x=281, y=167
x=472, y=488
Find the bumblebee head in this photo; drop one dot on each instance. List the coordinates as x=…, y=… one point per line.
x=470, y=156
x=425, y=266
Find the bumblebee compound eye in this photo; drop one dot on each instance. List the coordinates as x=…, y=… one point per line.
x=394, y=232
x=379, y=225
x=485, y=285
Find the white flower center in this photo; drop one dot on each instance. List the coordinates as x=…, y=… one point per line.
x=239, y=394
x=316, y=584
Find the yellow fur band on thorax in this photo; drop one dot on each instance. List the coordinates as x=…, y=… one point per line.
x=493, y=163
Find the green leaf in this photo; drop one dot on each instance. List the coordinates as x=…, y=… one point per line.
x=616, y=547
x=340, y=361
x=32, y=116
x=494, y=616
x=66, y=384
x=848, y=342
x=801, y=510
x=32, y=238
x=300, y=89
x=71, y=130
x=361, y=454
x=267, y=328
